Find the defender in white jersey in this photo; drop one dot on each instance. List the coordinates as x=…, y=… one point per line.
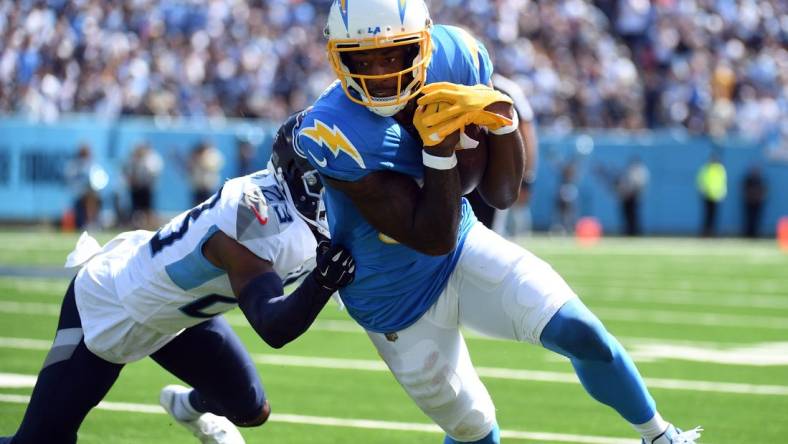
x=160, y=294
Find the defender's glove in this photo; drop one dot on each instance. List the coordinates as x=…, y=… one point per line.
x=437, y=130
x=335, y=268
x=465, y=103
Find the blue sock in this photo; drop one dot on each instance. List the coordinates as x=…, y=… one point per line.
x=601, y=363
x=494, y=437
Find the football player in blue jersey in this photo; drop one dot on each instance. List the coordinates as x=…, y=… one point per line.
x=160, y=294
x=383, y=138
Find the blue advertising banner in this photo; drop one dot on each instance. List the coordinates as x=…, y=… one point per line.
x=34, y=158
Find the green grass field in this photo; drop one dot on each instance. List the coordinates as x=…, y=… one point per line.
x=706, y=321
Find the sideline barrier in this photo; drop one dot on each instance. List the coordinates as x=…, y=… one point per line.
x=33, y=157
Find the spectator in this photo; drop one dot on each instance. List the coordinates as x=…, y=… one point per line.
x=141, y=171
x=516, y=220
x=713, y=186
x=628, y=186
x=712, y=67
x=86, y=179
x=204, y=166
x=566, y=198
x=754, y=191
x=246, y=158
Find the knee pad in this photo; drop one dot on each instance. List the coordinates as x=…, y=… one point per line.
x=438, y=390
x=576, y=333
x=473, y=426
x=433, y=384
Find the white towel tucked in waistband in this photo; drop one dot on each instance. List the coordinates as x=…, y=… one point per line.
x=88, y=247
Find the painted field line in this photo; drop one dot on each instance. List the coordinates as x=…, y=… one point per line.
x=485, y=372
x=371, y=424
x=616, y=314
x=687, y=280
x=13, y=380
x=339, y=326
x=342, y=326
x=526, y=375
x=679, y=297
x=688, y=318
x=30, y=308
x=26, y=343
x=347, y=326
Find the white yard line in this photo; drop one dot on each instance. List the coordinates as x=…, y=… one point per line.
x=25, y=343
x=676, y=317
x=356, y=423
x=722, y=282
x=687, y=318
x=526, y=375
x=485, y=372
x=340, y=326
x=29, y=308
x=681, y=297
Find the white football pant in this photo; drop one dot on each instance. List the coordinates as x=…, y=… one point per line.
x=498, y=289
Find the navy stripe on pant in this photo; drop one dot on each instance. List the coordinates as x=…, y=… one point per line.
x=72, y=382
x=209, y=356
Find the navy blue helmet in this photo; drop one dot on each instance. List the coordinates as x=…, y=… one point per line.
x=289, y=163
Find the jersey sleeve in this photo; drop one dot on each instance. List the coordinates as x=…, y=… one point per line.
x=245, y=215
x=333, y=147
x=468, y=59
x=485, y=64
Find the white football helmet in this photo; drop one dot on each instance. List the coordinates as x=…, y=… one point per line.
x=360, y=25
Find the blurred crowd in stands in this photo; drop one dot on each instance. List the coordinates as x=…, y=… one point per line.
x=712, y=66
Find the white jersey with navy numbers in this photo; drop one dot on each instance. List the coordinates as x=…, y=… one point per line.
x=144, y=287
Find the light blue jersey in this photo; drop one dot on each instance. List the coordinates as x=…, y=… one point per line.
x=394, y=284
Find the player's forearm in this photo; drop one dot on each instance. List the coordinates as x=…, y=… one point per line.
x=276, y=318
x=436, y=215
x=503, y=175
x=423, y=218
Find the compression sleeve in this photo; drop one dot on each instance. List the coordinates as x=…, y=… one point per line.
x=277, y=318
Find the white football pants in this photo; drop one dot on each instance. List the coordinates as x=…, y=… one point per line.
x=498, y=289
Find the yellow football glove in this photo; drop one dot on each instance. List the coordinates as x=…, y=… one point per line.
x=465, y=102
x=438, y=129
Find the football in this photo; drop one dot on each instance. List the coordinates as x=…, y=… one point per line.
x=471, y=162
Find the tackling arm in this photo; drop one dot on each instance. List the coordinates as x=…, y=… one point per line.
x=276, y=318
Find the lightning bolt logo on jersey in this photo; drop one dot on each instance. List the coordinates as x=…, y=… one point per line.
x=394, y=284
x=333, y=139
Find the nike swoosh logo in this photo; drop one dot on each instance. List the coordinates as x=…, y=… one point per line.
x=260, y=218
x=321, y=163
